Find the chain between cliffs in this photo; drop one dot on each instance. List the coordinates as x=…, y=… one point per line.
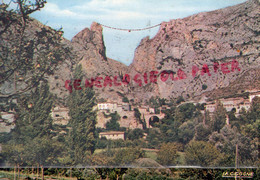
x=129, y=30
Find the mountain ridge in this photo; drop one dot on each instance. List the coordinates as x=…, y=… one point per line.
x=189, y=57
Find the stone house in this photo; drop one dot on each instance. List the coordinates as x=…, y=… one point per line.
x=7, y=121
x=113, y=135
x=60, y=115
x=253, y=94
x=230, y=104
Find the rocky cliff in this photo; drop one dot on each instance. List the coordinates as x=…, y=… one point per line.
x=91, y=52
x=195, y=44
x=188, y=57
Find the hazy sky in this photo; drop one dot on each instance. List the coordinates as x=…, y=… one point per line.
x=75, y=15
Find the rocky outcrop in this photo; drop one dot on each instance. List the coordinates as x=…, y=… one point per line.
x=91, y=51
x=206, y=38
x=200, y=53
x=188, y=57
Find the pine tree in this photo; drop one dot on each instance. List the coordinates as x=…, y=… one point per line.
x=113, y=124
x=34, y=119
x=82, y=121
x=32, y=133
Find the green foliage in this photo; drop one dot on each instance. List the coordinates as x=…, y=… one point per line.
x=134, y=134
x=226, y=142
x=117, y=157
x=43, y=151
x=202, y=132
x=34, y=118
x=204, y=87
x=233, y=120
x=113, y=124
x=156, y=102
x=254, y=111
x=82, y=122
x=29, y=54
x=207, y=118
x=252, y=130
x=169, y=126
x=154, y=138
x=186, y=112
x=169, y=133
x=167, y=154
x=137, y=115
x=242, y=118
x=179, y=100
x=219, y=117
x=32, y=139
x=199, y=153
x=186, y=132
x=125, y=99
x=127, y=155
x=5, y=137
x=200, y=106
x=13, y=153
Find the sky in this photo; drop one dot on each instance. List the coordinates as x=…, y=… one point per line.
x=75, y=15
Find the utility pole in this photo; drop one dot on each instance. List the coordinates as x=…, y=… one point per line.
x=236, y=163
x=236, y=160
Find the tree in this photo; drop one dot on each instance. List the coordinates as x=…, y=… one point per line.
x=219, y=117
x=82, y=120
x=254, y=111
x=32, y=136
x=186, y=112
x=199, y=153
x=207, y=118
x=154, y=138
x=242, y=118
x=202, y=132
x=169, y=126
x=127, y=155
x=13, y=153
x=167, y=154
x=28, y=52
x=204, y=86
x=34, y=118
x=186, y=132
x=135, y=134
x=113, y=124
x=125, y=99
x=137, y=115
x=180, y=99
x=226, y=142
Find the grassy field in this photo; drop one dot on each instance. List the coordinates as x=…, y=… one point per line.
x=151, y=153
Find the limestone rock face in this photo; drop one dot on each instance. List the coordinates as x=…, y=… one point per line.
x=91, y=51
x=199, y=53
x=91, y=54
x=219, y=36
x=188, y=57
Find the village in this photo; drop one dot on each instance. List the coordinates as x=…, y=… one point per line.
x=60, y=114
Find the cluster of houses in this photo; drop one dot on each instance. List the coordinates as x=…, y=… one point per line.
x=60, y=114
x=235, y=104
